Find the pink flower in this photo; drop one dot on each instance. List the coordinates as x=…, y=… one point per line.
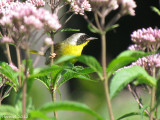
x=48, y=41
x=149, y=38
x=7, y=39
x=14, y=67
x=79, y=6
x=136, y=47
x=148, y=62
x=37, y=3
x=108, y=4
x=24, y=18
x=128, y=6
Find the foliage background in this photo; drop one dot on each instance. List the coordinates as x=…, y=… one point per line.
x=91, y=93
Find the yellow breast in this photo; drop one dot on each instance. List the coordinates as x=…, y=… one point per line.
x=73, y=49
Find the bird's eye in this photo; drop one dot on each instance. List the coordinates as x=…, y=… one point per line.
x=82, y=39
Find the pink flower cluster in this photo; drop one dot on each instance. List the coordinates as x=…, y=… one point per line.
x=6, y=39
x=79, y=6
x=136, y=47
x=148, y=62
x=128, y=6
x=113, y=4
x=37, y=3
x=148, y=38
x=4, y=2
x=25, y=17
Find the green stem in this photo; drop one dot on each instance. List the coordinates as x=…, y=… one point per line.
x=53, y=88
x=104, y=60
x=19, y=64
x=8, y=54
x=153, y=97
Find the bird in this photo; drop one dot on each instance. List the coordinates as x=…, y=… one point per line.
x=73, y=45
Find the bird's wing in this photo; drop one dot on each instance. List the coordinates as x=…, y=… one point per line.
x=48, y=52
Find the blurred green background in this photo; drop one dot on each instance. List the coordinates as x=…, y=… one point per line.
x=89, y=93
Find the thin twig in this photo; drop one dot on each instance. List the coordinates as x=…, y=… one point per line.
x=8, y=54
x=19, y=64
x=153, y=96
x=137, y=98
x=64, y=23
x=89, y=22
x=97, y=21
x=7, y=92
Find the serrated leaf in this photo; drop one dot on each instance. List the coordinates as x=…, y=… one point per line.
x=69, y=29
x=92, y=63
x=8, y=110
x=44, y=74
x=71, y=106
x=127, y=75
x=72, y=74
x=44, y=71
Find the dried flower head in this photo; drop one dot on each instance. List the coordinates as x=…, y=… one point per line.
x=148, y=62
x=112, y=4
x=136, y=47
x=128, y=6
x=149, y=38
x=79, y=6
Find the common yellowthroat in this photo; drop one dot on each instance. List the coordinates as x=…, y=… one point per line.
x=73, y=45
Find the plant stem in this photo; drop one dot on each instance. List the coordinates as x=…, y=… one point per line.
x=24, y=89
x=8, y=54
x=19, y=64
x=137, y=98
x=153, y=97
x=103, y=38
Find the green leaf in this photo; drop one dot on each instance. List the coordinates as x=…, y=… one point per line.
x=94, y=30
x=80, y=74
x=127, y=75
x=132, y=53
x=65, y=58
x=129, y=115
x=118, y=63
x=43, y=74
x=8, y=72
x=123, y=59
x=38, y=114
x=69, y=29
x=111, y=27
x=8, y=110
x=92, y=63
x=156, y=10
x=71, y=106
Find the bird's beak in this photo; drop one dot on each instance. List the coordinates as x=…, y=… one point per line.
x=91, y=38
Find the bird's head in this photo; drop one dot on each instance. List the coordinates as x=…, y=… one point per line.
x=79, y=39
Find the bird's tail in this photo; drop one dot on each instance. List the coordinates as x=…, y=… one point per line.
x=36, y=52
